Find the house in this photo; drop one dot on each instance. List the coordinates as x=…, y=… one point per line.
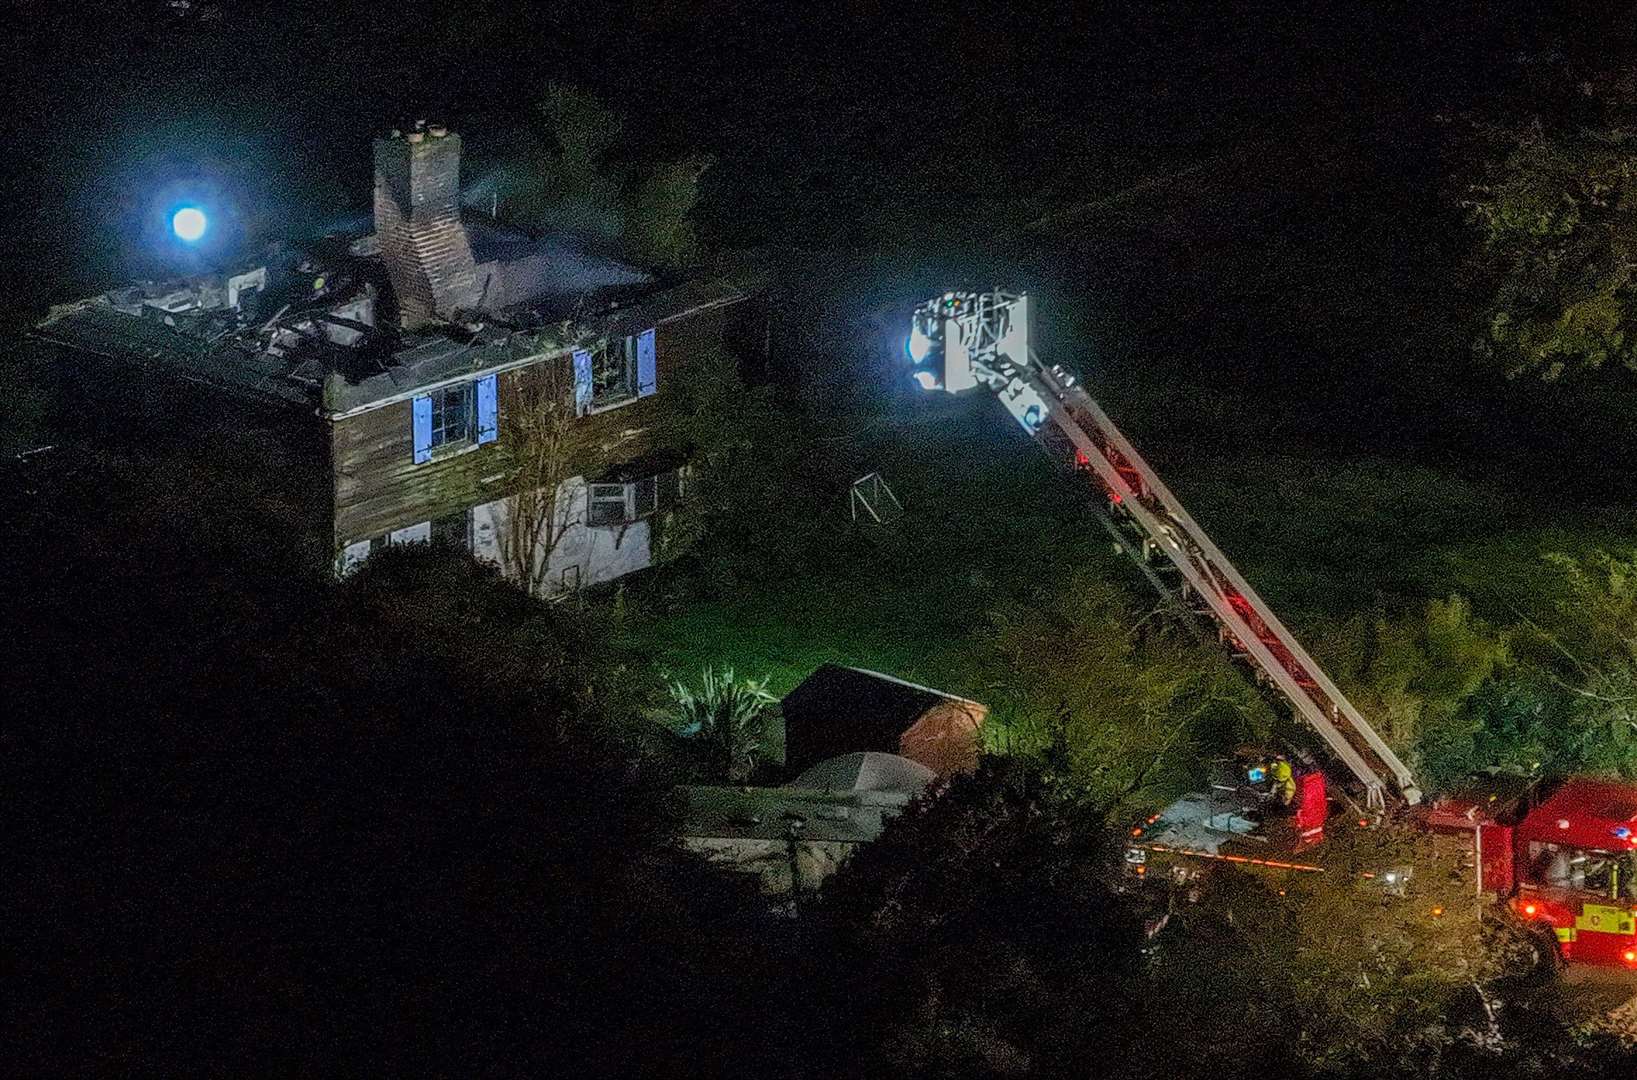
x=405, y=357
x=838, y=709
x=801, y=833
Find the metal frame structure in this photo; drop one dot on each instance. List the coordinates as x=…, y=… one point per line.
x=872, y=493
x=982, y=339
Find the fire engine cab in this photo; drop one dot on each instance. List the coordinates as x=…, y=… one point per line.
x=1575, y=865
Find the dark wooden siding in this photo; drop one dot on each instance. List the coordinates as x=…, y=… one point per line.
x=378, y=486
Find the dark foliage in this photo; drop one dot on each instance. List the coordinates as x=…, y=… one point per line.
x=980, y=936
x=259, y=822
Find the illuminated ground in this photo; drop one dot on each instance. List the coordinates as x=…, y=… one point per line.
x=1321, y=538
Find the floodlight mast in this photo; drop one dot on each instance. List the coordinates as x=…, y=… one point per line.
x=982, y=339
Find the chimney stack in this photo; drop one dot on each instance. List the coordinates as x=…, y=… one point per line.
x=417, y=219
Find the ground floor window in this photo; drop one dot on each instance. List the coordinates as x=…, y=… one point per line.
x=609, y=504
x=454, y=530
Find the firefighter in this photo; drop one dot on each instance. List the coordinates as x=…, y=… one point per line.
x=1284, y=780
x=1558, y=869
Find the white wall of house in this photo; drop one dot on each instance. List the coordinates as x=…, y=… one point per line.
x=584, y=555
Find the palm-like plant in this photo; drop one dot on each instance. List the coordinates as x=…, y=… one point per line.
x=728, y=715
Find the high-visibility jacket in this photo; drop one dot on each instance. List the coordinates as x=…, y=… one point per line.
x=1284, y=781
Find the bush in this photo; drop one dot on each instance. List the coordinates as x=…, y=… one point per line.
x=1417, y=678
x=1129, y=706
x=728, y=716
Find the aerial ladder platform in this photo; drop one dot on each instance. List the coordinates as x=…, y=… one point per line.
x=964, y=340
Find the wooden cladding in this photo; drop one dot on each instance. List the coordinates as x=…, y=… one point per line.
x=380, y=487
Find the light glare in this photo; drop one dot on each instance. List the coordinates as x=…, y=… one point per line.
x=189, y=223
x=918, y=345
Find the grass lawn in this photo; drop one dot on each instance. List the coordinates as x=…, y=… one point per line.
x=1324, y=538
x=1321, y=538
x=985, y=517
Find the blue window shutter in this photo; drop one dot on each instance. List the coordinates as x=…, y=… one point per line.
x=423, y=429
x=647, y=377
x=488, y=412
x=582, y=382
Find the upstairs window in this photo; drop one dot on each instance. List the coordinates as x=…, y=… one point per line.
x=613, y=373
x=462, y=414
x=618, y=370
x=451, y=414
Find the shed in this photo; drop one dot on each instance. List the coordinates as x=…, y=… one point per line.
x=839, y=710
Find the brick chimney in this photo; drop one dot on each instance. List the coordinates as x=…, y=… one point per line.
x=417, y=219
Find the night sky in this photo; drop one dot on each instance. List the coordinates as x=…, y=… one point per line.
x=272, y=105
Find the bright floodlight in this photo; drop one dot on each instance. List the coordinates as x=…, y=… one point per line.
x=918, y=345
x=927, y=379
x=189, y=223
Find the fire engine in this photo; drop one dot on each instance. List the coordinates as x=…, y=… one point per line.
x=1564, y=859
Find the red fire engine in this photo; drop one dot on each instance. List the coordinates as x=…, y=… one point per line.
x=1568, y=861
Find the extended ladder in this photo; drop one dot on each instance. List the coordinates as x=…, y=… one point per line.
x=1076, y=432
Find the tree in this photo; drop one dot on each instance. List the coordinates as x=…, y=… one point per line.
x=569, y=184
x=545, y=450
x=1128, y=704
x=1588, y=653
x=1554, y=209
x=981, y=936
x=659, y=227
x=747, y=487
x=1385, y=960
x=572, y=181
x=1417, y=677
x=398, y=822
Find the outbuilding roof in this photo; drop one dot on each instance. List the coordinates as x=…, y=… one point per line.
x=868, y=771
x=839, y=710
x=761, y=813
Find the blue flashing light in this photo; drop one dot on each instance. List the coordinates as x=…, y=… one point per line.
x=1257, y=774
x=189, y=223
x=1622, y=832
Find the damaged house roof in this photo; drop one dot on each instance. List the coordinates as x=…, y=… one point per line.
x=103, y=330
x=385, y=365
x=307, y=329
